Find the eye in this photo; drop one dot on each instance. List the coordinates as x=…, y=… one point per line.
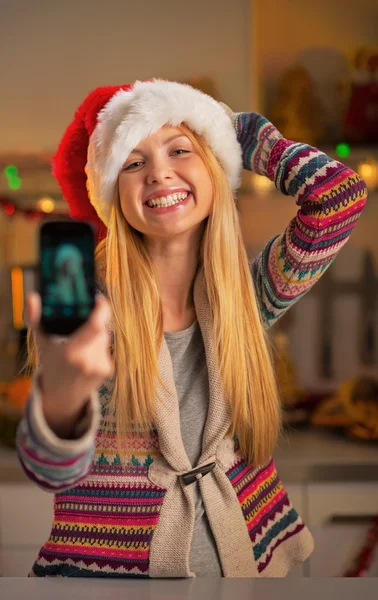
x=180, y=151
x=133, y=165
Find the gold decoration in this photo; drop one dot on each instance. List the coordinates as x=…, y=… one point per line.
x=286, y=375
x=13, y=397
x=354, y=407
x=368, y=170
x=46, y=204
x=261, y=184
x=297, y=113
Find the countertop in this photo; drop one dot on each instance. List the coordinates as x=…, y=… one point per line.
x=189, y=589
x=310, y=454
x=302, y=455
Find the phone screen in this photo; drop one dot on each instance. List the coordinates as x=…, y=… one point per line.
x=67, y=275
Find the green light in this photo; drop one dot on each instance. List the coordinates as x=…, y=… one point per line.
x=10, y=171
x=14, y=183
x=343, y=150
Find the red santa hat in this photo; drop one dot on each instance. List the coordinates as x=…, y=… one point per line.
x=113, y=120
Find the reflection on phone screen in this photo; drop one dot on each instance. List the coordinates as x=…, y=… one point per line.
x=66, y=292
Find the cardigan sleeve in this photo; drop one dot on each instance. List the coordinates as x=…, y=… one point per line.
x=56, y=464
x=330, y=197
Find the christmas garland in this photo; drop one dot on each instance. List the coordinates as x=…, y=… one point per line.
x=11, y=209
x=364, y=558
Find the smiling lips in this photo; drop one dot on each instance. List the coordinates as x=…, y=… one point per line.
x=166, y=201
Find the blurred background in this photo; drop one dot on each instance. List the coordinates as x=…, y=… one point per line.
x=312, y=68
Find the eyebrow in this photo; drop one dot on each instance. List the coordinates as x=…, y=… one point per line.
x=170, y=139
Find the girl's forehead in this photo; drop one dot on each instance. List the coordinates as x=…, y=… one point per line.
x=162, y=136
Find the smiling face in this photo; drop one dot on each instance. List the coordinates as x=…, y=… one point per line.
x=164, y=186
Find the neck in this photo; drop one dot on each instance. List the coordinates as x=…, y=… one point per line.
x=175, y=262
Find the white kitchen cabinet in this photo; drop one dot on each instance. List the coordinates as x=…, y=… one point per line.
x=338, y=518
x=17, y=561
x=26, y=514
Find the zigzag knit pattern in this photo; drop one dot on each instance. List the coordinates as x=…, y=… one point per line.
x=106, y=515
x=268, y=513
x=331, y=197
x=104, y=525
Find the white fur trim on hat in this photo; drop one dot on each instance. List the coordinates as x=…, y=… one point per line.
x=131, y=116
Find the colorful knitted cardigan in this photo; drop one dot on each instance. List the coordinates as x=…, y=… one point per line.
x=137, y=520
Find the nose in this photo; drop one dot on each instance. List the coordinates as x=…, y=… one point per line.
x=159, y=171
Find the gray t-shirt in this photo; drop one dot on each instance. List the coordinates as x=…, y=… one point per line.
x=191, y=378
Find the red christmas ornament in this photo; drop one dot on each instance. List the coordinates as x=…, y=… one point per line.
x=12, y=210
x=9, y=209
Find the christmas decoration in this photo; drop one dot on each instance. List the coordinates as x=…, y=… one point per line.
x=13, y=397
x=297, y=112
x=362, y=562
x=291, y=394
x=18, y=391
x=361, y=119
x=12, y=209
x=329, y=69
x=368, y=170
x=13, y=180
x=354, y=408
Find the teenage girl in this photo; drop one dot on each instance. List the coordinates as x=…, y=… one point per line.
x=154, y=424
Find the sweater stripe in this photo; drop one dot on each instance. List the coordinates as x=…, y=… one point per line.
x=266, y=508
x=330, y=196
x=106, y=510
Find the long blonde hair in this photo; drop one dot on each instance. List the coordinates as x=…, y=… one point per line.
x=127, y=276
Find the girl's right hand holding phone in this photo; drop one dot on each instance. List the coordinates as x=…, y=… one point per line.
x=71, y=371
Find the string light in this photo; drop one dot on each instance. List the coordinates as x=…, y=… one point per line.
x=10, y=171
x=46, y=204
x=13, y=180
x=12, y=208
x=261, y=184
x=343, y=150
x=368, y=170
x=9, y=209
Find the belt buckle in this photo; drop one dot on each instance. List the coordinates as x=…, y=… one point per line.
x=196, y=474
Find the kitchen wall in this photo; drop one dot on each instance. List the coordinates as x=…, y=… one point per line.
x=53, y=53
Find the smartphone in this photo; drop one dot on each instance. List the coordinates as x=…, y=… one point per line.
x=66, y=275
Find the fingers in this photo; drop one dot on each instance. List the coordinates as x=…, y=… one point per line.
x=33, y=310
x=96, y=324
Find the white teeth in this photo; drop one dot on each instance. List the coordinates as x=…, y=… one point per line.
x=169, y=200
